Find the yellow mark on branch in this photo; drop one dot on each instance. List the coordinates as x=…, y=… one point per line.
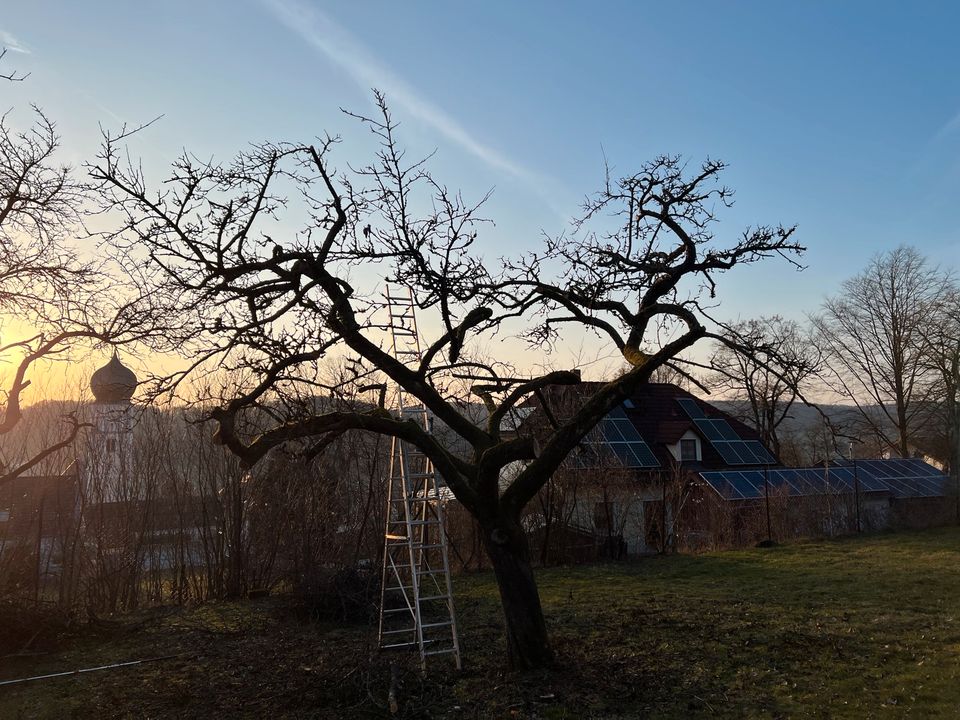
x=635, y=356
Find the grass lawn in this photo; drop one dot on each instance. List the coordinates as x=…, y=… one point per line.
x=858, y=628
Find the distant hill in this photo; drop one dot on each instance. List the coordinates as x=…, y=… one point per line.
x=801, y=417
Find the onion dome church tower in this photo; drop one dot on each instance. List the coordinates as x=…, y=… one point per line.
x=110, y=454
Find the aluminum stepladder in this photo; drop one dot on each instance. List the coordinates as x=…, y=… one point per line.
x=416, y=600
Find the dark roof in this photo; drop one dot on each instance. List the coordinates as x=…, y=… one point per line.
x=39, y=504
x=672, y=430
x=661, y=421
x=656, y=414
x=47, y=505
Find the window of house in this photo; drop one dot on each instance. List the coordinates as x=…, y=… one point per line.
x=688, y=450
x=4, y=515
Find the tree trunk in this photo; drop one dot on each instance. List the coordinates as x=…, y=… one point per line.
x=509, y=552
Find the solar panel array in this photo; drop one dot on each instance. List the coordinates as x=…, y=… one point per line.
x=692, y=408
x=732, y=448
x=616, y=435
x=901, y=478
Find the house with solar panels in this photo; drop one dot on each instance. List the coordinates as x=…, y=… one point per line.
x=667, y=469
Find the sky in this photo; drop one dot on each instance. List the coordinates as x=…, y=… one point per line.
x=841, y=118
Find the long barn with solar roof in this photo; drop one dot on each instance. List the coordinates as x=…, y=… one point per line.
x=667, y=468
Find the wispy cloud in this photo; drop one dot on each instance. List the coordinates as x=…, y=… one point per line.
x=339, y=46
x=948, y=128
x=11, y=43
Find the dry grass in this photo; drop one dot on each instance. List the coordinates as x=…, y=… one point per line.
x=859, y=628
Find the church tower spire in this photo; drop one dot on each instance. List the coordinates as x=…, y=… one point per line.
x=110, y=453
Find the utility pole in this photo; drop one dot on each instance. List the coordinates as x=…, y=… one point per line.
x=955, y=460
x=766, y=493
x=856, y=486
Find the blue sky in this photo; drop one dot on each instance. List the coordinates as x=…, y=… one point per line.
x=843, y=118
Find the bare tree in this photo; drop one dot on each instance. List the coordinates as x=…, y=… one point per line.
x=66, y=300
x=872, y=338
x=12, y=76
x=38, y=202
x=271, y=310
x=769, y=381
x=941, y=333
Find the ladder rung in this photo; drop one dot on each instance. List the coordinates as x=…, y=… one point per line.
x=395, y=537
x=434, y=597
x=405, y=588
x=398, y=632
x=397, y=610
x=444, y=651
x=413, y=642
x=445, y=623
x=403, y=540
x=398, y=542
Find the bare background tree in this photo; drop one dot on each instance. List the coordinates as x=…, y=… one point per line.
x=941, y=334
x=766, y=384
x=62, y=300
x=872, y=334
